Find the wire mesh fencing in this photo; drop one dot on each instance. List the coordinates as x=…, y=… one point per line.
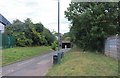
x=7, y=41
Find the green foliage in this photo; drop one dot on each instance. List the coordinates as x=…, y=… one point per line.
x=48, y=36
x=29, y=34
x=66, y=37
x=92, y=23
x=54, y=45
x=39, y=27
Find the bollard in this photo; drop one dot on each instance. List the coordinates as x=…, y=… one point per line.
x=55, y=59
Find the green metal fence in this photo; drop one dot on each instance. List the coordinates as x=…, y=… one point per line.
x=7, y=41
x=0, y=41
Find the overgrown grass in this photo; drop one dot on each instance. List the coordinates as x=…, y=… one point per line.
x=77, y=63
x=16, y=54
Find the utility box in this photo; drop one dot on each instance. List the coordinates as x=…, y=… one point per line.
x=112, y=47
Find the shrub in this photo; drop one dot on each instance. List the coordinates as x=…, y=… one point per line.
x=54, y=45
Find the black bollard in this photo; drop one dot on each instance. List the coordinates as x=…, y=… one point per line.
x=55, y=59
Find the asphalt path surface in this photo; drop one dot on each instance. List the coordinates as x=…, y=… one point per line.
x=37, y=66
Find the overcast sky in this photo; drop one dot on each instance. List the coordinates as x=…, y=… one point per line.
x=44, y=11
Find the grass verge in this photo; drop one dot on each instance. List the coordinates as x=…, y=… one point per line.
x=77, y=63
x=12, y=55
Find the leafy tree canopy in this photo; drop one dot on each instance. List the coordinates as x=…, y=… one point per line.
x=29, y=34
x=92, y=23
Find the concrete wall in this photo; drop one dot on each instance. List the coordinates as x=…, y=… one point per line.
x=112, y=47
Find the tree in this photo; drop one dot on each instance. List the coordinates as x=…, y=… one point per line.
x=66, y=37
x=48, y=36
x=54, y=45
x=29, y=34
x=39, y=27
x=92, y=23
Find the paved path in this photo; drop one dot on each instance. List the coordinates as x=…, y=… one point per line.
x=37, y=66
